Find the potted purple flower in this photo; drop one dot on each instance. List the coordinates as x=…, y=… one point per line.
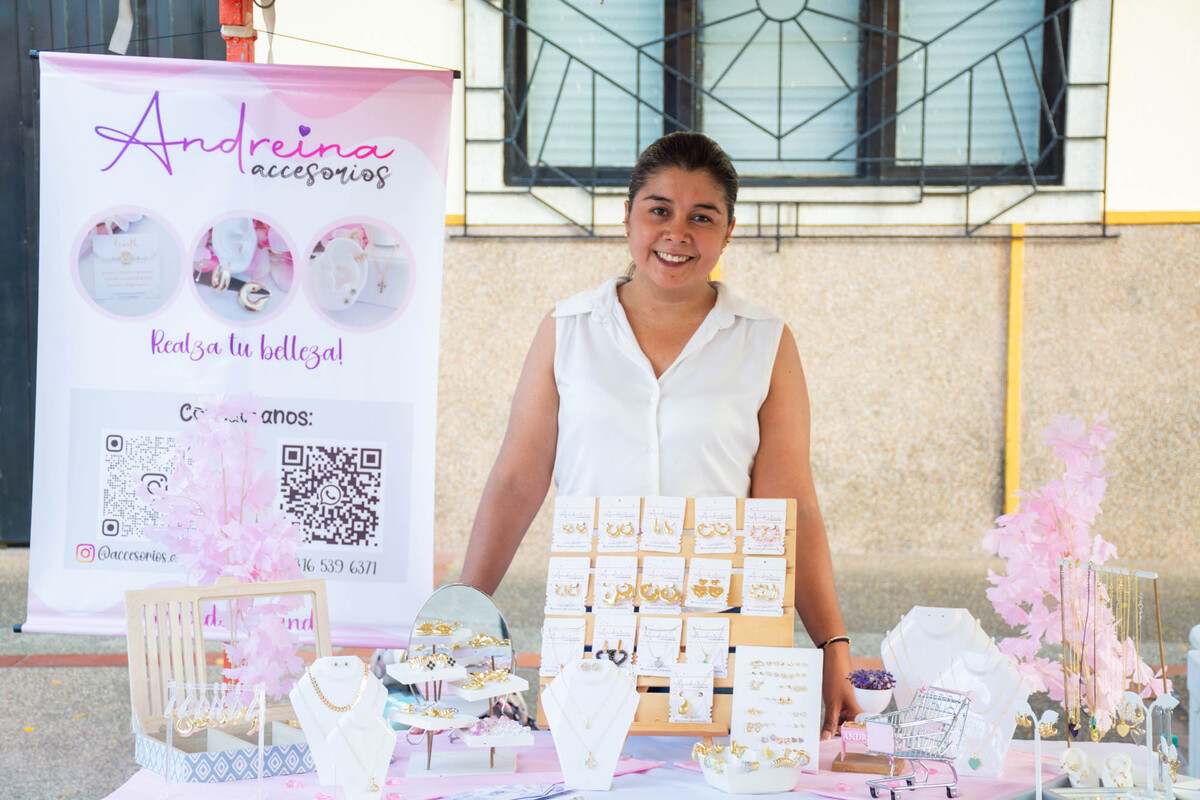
x=872, y=689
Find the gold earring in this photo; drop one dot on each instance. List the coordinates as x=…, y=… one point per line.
x=567, y=527
x=612, y=530
x=669, y=594
x=625, y=591
x=581, y=527
x=626, y=529
x=715, y=590
x=650, y=592
x=685, y=708
x=700, y=587
x=704, y=530
x=764, y=591
x=253, y=296
x=609, y=598
x=723, y=529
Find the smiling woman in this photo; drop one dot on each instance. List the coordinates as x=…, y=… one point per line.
x=665, y=383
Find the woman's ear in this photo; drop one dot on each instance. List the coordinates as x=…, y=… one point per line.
x=729, y=232
x=626, y=221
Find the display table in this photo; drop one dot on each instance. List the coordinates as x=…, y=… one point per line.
x=652, y=767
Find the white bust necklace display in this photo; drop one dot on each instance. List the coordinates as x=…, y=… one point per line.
x=590, y=706
x=340, y=708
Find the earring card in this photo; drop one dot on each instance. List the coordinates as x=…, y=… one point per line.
x=716, y=525
x=662, y=524
x=574, y=521
x=618, y=523
x=567, y=585
x=661, y=588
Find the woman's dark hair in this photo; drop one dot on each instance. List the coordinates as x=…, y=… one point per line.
x=688, y=151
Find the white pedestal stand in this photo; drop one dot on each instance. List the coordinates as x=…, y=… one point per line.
x=340, y=678
x=590, y=706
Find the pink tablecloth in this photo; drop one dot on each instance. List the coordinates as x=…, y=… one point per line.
x=537, y=764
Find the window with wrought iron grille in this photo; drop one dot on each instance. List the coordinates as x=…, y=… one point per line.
x=838, y=92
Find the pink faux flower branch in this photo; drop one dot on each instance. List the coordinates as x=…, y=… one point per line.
x=1055, y=522
x=219, y=516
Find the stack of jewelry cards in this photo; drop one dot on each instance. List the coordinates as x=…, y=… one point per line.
x=777, y=699
x=691, y=693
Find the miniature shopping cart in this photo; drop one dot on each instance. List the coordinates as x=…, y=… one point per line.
x=929, y=730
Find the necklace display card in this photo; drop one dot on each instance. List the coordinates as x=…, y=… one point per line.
x=567, y=585
x=764, y=526
x=763, y=583
x=125, y=265
x=658, y=645
x=573, y=519
x=616, y=584
x=662, y=524
x=716, y=524
x=659, y=574
x=617, y=526
x=708, y=584
x=707, y=643
x=691, y=693
x=562, y=643
x=777, y=698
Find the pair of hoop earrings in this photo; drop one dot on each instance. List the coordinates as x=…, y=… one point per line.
x=705, y=587
x=615, y=595
x=708, y=530
x=578, y=527
x=566, y=589
x=616, y=530
x=665, y=593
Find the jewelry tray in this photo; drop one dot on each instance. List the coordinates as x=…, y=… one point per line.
x=515, y=683
x=215, y=756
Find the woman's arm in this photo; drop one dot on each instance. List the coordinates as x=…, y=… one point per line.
x=521, y=475
x=782, y=469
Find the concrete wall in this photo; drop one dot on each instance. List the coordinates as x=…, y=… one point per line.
x=903, y=343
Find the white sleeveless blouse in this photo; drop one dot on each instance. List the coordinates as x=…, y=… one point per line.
x=693, y=432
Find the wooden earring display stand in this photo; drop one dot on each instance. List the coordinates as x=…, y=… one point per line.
x=652, y=717
x=166, y=638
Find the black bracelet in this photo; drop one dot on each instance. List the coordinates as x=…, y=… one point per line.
x=833, y=639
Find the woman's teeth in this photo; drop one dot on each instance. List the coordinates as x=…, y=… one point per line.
x=671, y=258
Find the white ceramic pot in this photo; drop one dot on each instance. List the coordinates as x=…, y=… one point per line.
x=873, y=701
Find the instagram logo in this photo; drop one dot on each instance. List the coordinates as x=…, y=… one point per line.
x=85, y=553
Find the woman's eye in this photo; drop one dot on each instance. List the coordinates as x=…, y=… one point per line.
x=658, y=211
x=701, y=218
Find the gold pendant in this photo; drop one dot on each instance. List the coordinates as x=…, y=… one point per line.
x=373, y=786
x=590, y=762
x=1122, y=728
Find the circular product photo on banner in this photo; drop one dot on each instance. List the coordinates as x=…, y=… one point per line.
x=128, y=263
x=359, y=274
x=242, y=269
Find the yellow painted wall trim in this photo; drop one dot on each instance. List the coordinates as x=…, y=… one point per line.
x=456, y=220
x=1152, y=217
x=1012, y=384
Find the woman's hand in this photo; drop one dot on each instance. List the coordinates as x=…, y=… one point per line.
x=836, y=691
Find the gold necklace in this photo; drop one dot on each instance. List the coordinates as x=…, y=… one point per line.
x=362, y=687
x=590, y=761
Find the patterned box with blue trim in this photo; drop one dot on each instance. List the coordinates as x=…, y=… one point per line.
x=225, y=759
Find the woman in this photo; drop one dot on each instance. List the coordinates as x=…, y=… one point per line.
x=663, y=383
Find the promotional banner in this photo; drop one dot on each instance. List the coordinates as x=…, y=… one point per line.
x=212, y=229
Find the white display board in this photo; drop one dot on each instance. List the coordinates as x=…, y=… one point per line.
x=319, y=189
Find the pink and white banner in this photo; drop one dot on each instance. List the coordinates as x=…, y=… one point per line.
x=210, y=228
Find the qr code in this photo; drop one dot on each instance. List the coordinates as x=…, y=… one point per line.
x=333, y=492
x=129, y=459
